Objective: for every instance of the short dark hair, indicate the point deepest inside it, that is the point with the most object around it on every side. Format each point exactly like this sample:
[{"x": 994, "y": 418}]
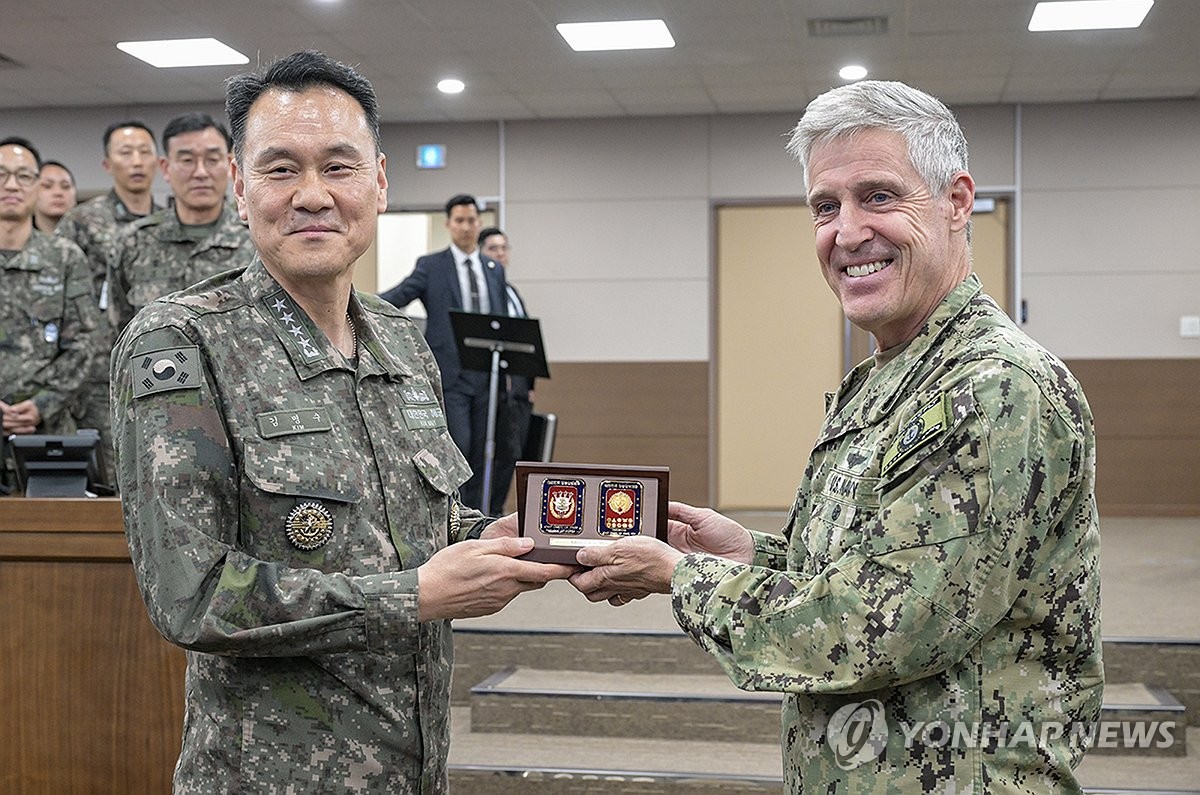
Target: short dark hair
[
  {"x": 488, "y": 231},
  {"x": 193, "y": 122},
  {"x": 297, "y": 72},
  {"x": 119, "y": 125},
  {"x": 61, "y": 165},
  {"x": 16, "y": 140},
  {"x": 461, "y": 200}
]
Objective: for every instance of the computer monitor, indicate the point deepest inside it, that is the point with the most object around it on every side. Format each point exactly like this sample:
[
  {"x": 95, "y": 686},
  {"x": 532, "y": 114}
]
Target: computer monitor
[{"x": 53, "y": 465}]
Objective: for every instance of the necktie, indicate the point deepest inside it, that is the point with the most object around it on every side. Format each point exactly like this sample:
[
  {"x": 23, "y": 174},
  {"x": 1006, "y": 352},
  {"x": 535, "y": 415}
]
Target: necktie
[{"x": 473, "y": 304}]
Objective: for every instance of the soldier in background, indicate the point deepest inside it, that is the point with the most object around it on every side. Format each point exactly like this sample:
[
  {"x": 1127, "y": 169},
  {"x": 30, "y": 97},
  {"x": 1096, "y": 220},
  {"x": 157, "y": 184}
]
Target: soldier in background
[
  {"x": 198, "y": 236},
  {"x": 130, "y": 158},
  {"x": 940, "y": 565},
  {"x": 56, "y": 196},
  {"x": 288, "y": 483},
  {"x": 49, "y": 324},
  {"x": 95, "y": 226}
]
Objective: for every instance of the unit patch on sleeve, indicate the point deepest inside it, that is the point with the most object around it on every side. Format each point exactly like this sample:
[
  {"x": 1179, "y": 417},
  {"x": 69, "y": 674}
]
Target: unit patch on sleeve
[{"x": 162, "y": 371}]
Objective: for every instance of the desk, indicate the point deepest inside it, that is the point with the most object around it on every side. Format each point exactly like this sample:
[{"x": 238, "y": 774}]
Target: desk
[{"x": 91, "y": 696}]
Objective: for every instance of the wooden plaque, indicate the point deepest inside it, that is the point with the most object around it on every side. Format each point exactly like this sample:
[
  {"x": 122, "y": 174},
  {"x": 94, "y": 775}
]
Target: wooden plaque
[{"x": 566, "y": 507}]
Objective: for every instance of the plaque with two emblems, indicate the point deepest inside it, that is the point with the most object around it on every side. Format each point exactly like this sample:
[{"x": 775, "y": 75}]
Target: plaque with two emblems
[{"x": 566, "y": 507}]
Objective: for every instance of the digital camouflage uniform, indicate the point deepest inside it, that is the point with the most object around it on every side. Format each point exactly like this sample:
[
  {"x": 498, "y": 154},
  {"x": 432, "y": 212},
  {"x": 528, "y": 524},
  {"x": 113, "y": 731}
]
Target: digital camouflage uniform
[
  {"x": 156, "y": 256},
  {"x": 939, "y": 565},
  {"x": 96, "y": 226},
  {"x": 239, "y": 428},
  {"x": 49, "y": 329}
]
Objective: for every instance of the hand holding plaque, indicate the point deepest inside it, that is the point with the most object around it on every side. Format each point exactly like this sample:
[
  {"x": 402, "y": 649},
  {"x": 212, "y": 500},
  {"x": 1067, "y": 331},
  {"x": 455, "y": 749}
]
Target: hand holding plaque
[{"x": 568, "y": 507}]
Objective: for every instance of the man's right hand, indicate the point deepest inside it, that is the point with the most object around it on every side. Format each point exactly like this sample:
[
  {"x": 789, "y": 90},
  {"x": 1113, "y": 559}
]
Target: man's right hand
[
  {"x": 477, "y": 578},
  {"x": 691, "y": 529}
]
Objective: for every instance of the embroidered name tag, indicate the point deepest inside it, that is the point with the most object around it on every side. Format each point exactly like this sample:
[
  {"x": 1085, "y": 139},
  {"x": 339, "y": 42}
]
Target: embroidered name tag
[
  {"x": 423, "y": 418},
  {"x": 285, "y": 423},
  {"x": 162, "y": 371},
  {"x": 929, "y": 422}
]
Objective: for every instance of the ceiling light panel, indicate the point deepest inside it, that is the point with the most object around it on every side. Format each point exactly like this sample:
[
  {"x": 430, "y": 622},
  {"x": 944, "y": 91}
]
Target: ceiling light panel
[
  {"x": 173, "y": 53},
  {"x": 1089, "y": 14},
  {"x": 631, "y": 34}
]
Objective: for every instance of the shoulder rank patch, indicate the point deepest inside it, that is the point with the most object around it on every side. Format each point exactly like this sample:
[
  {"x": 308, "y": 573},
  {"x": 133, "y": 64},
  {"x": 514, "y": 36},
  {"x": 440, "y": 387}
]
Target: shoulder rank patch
[
  {"x": 162, "y": 371},
  {"x": 929, "y": 422}
]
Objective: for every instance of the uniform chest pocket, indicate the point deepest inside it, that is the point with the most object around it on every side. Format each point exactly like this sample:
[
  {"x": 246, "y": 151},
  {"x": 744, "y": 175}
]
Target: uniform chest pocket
[
  {"x": 298, "y": 470},
  {"x": 442, "y": 465},
  {"x": 934, "y": 492},
  {"x": 844, "y": 502},
  {"x": 300, "y": 500}
]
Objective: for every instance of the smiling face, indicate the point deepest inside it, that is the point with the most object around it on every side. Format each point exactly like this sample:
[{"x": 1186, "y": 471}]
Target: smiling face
[
  {"x": 889, "y": 248},
  {"x": 19, "y": 193},
  {"x": 310, "y": 183}
]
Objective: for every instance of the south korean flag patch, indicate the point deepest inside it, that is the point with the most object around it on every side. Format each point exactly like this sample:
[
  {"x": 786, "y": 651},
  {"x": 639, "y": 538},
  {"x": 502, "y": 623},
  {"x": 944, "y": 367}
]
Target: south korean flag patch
[{"x": 165, "y": 370}]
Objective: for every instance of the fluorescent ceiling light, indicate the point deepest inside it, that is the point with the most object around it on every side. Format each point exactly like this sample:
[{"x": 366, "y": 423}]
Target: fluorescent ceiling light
[
  {"x": 632, "y": 34},
  {"x": 451, "y": 86},
  {"x": 1089, "y": 14},
  {"x": 853, "y": 72},
  {"x": 169, "y": 53}
]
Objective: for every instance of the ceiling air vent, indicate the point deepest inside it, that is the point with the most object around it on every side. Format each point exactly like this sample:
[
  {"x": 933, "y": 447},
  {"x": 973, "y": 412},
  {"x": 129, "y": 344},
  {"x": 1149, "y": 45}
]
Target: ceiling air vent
[{"x": 847, "y": 26}]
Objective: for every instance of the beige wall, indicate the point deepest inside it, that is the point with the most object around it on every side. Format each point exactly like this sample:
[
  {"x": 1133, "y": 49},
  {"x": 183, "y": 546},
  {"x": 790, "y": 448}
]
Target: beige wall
[
  {"x": 1111, "y": 197},
  {"x": 611, "y": 218},
  {"x": 612, "y": 223}
]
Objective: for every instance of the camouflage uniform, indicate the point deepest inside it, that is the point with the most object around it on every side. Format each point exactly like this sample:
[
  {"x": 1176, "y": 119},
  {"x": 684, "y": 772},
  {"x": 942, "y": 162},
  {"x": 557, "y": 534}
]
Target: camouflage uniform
[
  {"x": 50, "y": 329},
  {"x": 95, "y": 226},
  {"x": 238, "y": 427},
  {"x": 156, "y": 256},
  {"x": 940, "y": 564}
]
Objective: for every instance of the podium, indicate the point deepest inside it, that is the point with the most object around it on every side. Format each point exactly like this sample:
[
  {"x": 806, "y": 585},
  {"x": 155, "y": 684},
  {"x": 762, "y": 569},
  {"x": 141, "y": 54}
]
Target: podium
[
  {"x": 92, "y": 694},
  {"x": 491, "y": 343}
]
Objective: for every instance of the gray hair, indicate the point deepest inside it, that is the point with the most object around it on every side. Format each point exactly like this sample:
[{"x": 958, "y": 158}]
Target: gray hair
[{"x": 936, "y": 144}]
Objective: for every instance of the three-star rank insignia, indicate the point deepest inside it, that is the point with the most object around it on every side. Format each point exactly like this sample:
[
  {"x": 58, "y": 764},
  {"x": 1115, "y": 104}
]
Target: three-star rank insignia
[{"x": 309, "y": 526}]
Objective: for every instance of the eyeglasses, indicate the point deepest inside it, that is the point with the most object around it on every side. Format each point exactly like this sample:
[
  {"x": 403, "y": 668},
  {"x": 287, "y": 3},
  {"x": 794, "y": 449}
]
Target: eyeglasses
[{"x": 25, "y": 177}]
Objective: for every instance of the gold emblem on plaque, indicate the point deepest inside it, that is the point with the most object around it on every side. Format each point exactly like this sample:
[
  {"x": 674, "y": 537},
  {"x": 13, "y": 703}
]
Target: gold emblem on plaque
[
  {"x": 620, "y": 502},
  {"x": 309, "y": 526}
]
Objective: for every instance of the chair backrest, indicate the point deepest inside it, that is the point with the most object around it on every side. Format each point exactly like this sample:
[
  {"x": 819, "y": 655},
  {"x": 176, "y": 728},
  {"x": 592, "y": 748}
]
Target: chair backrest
[{"x": 539, "y": 443}]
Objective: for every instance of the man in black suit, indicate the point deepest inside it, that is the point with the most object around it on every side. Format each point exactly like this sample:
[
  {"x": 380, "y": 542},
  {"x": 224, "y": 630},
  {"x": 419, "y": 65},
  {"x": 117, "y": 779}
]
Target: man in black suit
[
  {"x": 458, "y": 277},
  {"x": 518, "y": 405}
]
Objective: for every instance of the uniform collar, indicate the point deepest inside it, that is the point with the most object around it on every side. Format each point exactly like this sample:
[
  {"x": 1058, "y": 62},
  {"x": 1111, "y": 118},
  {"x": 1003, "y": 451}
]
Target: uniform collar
[
  {"x": 227, "y": 232},
  {"x": 123, "y": 213},
  {"x": 309, "y": 350},
  {"x": 29, "y": 257},
  {"x": 868, "y": 396}
]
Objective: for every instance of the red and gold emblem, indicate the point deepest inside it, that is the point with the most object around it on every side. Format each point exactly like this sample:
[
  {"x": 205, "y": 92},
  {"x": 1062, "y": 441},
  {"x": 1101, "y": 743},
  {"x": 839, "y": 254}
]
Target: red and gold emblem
[{"x": 561, "y": 501}]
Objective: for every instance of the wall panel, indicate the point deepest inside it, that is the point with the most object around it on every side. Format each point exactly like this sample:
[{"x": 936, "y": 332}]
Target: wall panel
[{"x": 1147, "y": 434}]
